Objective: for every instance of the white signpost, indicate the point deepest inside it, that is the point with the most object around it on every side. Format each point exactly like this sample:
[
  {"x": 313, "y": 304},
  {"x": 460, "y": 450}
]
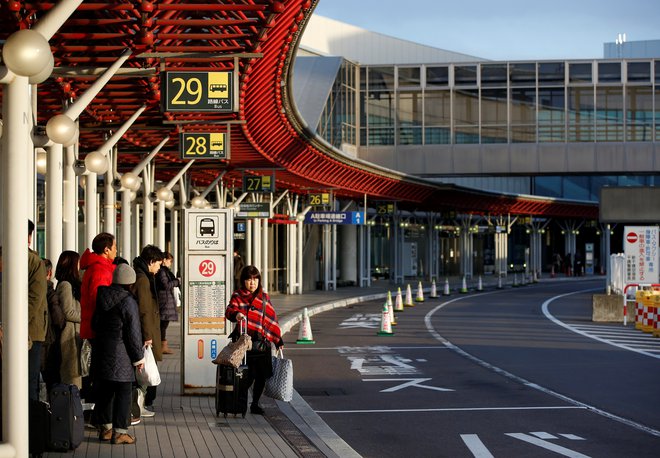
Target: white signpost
[
  {"x": 641, "y": 250},
  {"x": 208, "y": 258}
]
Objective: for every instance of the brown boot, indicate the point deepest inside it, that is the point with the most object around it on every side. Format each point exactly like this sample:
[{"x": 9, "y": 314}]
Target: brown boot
[
  {"x": 123, "y": 438},
  {"x": 165, "y": 349}
]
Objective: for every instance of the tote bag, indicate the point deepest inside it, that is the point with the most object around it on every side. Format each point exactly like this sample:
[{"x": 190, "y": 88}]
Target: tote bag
[
  {"x": 280, "y": 385},
  {"x": 149, "y": 375}
]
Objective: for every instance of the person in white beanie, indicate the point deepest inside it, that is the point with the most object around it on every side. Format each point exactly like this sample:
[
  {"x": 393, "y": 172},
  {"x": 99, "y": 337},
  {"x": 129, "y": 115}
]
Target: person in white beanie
[{"x": 118, "y": 351}]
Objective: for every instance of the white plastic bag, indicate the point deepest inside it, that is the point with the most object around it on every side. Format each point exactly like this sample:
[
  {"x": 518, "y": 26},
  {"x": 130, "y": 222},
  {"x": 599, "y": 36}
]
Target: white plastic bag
[
  {"x": 85, "y": 358},
  {"x": 280, "y": 385},
  {"x": 149, "y": 375}
]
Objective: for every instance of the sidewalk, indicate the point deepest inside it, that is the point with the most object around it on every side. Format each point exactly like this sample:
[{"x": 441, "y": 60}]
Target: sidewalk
[{"x": 187, "y": 425}]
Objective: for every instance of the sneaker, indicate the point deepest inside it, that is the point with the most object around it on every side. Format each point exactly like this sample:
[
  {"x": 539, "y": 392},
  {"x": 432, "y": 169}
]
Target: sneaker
[
  {"x": 123, "y": 438},
  {"x": 145, "y": 412},
  {"x": 135, "y": 420},
  {"x": 105, "y": 436},
  {"x": 255, "y": 409}
]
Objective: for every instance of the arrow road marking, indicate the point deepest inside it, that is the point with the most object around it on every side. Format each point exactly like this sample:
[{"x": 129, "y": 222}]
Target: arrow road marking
[{"x": 416, "y": 382}]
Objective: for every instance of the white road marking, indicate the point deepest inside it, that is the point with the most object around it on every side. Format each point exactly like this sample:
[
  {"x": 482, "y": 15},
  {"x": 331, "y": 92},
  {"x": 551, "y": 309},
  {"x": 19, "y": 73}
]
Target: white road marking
[
  {"x": 450, "y": 409},
  {"x": 543, "y": 435},
  {"x": 547, "y": 445},
  {"x": 509, "y": 375},
  {"x": 410, "y": 382},
  {"x": 475, "y": 445},
  {"x": 590, "y": 335},
  {"x": 572, "y": 437}
]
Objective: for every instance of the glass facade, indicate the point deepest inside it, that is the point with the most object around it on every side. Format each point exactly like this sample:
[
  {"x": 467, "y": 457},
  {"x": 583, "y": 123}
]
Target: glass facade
[
  {"x": 510, "y": 102},
  {"x": 495, "y": 102}
]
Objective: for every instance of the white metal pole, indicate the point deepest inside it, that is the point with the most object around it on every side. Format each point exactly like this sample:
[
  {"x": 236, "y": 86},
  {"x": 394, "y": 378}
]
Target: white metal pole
[
  {"x": 91, "y": 209},
  {"x": 136, "y": 242},
  {"x": 147, "y": 209},
  {"x": 15, "y": 169},
  {"x": 54, "y": 201},
  {"x": 265, "y": 273},
  {"x": 174, "y": 235},
  {"x": 109, "y": 208},
  {"x": 70, "y": 202},
  {"x": 299, "y": 262},
  {"x": 125, "y": 245},
  {"x": 160, "y": 225}
]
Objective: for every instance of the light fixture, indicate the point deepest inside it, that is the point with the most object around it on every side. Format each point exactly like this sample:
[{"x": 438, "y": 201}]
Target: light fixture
[
  {"x": 96, "y": 162},
  {"x": 131, "y": 181},
  {"x": 61, "y": 129},
  {"x": 26, "y": 52},
  {"x": 164, "y": 194},
  {"x": 42, "y": 161}
]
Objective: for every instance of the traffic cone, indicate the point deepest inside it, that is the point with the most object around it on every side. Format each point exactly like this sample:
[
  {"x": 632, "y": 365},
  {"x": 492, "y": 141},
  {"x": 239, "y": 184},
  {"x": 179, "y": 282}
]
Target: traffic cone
[
  {"x": 464, "y": 286},
  {"x": 389, "y": 299},
  {"x": 408, "y": 302},
  {"x": 420, "y": 293},
  {"x": 499, "y": 281},
  {"x": 434, "y": 291},
  {"x": 390, "y": 307},
  {"x": 305, "y": 331},
  {"x": 385, "y": 322},
  {"x": 552, "y": 271},
  {"x": 398, "y": 303},
  {"x": 480, "y": 285},
  {"x": 446, "y": 290}
]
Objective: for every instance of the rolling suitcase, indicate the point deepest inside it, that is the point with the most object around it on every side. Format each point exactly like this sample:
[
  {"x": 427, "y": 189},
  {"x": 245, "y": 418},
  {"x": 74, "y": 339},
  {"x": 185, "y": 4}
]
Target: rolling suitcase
[
  {"x": 230, "y": 393},
  {"x": 39, "y": 427},
  {"x": 67, "y": 424}
]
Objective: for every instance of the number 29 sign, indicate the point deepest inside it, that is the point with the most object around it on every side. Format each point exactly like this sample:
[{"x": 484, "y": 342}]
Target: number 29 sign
[{"x": 198, "y": 91}]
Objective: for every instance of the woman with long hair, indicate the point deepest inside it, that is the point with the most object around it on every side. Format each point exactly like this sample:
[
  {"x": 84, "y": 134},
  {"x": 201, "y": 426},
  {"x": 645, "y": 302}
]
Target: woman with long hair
[
  {"x": 251, "y": 303},
  {"x": 67, "y": 274}
]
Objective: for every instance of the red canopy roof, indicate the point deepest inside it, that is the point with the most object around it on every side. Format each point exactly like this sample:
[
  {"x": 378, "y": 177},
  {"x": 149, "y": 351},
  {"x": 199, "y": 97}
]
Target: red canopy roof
[{"x": 257, "y": 39}]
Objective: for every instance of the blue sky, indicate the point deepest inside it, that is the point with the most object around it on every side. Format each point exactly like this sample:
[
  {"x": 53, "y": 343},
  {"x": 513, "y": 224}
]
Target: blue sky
[{"x": 505, "y": 29}]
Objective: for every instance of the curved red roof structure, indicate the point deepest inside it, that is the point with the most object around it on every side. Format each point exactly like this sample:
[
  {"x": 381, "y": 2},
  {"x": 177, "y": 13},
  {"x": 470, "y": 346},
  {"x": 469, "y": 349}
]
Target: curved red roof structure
[{"x": 257, "y": 39}]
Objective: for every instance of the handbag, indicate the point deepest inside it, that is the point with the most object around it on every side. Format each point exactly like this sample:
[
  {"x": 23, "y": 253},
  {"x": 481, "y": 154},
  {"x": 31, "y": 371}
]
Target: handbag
[
  {"x": 234, "y": 352},
  {"x": 280, "y": 385},
  {"x": 85, "y": 358},
  {"x": 149, "y": 375}
]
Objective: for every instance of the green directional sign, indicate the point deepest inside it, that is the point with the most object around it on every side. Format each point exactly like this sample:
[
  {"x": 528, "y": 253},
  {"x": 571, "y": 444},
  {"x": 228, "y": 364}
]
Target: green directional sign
[
  {"x": 203, "y": 145},
  {"x": 198, "y": 91}
]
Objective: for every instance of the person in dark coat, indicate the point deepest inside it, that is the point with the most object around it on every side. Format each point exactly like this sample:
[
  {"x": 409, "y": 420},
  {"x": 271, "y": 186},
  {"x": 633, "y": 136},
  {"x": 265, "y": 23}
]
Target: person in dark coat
[
  {"x": 50, "y": 370},
  {"x": 118, "y": 352},
  {"x": 146, "y": 265},
  {"x": 166, "y": 281}
]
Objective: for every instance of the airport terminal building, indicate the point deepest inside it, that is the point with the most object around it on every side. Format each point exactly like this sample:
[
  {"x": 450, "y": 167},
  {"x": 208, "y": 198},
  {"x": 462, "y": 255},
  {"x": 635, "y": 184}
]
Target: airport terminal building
[{"x": 557, "y": 128}]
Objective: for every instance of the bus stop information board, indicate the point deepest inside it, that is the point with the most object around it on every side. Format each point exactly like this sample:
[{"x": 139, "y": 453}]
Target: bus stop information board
[
  {"x": 198, "y": 91},
  {"x": 334, "y": 218},
  {"x": 641, "y": 250},
  {"x": 208, "y": 245}
]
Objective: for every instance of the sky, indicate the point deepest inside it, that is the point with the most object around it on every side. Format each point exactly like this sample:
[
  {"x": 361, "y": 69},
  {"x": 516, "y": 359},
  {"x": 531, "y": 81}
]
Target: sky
[{"x": 505, "y": 29}]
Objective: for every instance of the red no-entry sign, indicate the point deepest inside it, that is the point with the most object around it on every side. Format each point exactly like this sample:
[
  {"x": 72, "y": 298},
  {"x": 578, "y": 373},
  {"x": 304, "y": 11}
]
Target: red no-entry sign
[{"x": 631, "y": 237}]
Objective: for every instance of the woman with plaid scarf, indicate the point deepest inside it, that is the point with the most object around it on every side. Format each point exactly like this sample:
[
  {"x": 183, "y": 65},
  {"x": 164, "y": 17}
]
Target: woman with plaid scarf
[{"x": 250, "y": 302}]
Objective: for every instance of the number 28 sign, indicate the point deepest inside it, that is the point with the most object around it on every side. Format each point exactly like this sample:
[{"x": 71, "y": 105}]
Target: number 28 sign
[{"x": 198, "y": 91}]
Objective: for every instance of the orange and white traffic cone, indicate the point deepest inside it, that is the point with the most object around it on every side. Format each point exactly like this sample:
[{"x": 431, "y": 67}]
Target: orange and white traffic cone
[
  {"x": 434, "y": 291},
  {"x": 385, "y": 322},
  {"x": 389, "y": 299},
  {"x": 398, "y": 303},
  {"x": 408, "y": 302},
  {"x": 420, "y": 293},
  {"x": 305, "y": 331}
]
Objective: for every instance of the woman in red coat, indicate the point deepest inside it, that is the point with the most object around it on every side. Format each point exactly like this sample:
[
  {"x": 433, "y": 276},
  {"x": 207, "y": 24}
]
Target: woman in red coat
[{"x": 250, "y": 302}]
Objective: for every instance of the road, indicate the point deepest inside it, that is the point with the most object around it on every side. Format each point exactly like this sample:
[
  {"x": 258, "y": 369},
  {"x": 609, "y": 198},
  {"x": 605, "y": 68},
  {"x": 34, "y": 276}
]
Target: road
[{"x": 515, "y": 372}]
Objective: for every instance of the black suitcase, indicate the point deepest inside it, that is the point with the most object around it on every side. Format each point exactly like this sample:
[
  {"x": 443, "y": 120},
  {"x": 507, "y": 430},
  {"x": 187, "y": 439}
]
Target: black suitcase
[
  {"x": 230, "y": 394},
  {"x": 67, "y": 423},
  {"x": 39, "y": 427}
]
